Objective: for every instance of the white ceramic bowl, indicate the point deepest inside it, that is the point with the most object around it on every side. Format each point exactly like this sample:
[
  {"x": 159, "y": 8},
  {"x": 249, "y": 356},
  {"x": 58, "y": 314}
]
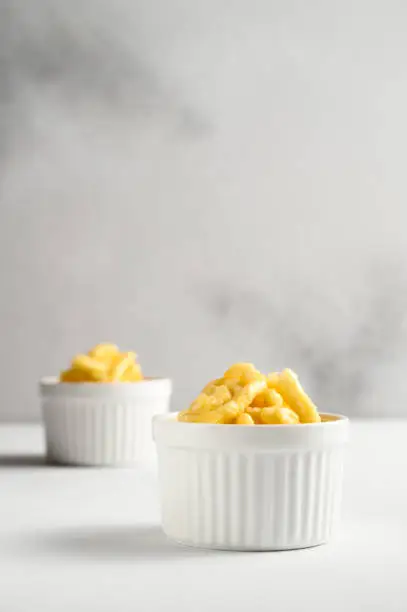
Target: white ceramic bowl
[
  {"x": 102, "y": 423},
  {"x": 260, "y": 487}
]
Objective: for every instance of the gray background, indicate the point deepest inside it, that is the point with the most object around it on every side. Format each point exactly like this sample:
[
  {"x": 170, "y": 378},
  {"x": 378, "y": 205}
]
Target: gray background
[{"x": 205, "y": 182}]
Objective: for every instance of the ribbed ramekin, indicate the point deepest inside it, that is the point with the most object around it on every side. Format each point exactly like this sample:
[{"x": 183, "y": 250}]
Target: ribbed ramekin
[
  {"x": 102, "y": 423},
  {"x": 261, "y": 487}
]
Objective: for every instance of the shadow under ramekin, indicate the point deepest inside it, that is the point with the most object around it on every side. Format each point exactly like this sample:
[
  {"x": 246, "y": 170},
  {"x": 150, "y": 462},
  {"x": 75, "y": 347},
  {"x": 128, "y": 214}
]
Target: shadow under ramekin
[{"x": 109, "y": 543}]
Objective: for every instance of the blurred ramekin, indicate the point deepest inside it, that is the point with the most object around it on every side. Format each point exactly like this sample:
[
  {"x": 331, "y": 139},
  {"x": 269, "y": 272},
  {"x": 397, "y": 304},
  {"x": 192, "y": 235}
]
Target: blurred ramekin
[
  {"x": 259, "y": 487},
  {"x": 102, "y": 423}
]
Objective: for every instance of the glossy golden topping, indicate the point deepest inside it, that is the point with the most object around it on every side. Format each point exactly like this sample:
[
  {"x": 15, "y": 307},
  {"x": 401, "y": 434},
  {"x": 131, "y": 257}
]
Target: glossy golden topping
[
  {"x": 245, "y": 396},
  {"x": 103, "y": 363}
]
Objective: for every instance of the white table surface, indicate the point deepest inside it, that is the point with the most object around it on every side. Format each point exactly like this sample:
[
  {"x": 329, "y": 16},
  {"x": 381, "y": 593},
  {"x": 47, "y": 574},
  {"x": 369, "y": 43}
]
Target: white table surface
[{"x": 74, "y": 539}]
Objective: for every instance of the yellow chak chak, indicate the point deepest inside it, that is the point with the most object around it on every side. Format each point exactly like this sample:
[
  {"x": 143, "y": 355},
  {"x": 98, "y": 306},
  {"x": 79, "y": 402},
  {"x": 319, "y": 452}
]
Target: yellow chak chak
[
  {"x": 103, "y": 363},
  {"x": 244, "y": 396}
]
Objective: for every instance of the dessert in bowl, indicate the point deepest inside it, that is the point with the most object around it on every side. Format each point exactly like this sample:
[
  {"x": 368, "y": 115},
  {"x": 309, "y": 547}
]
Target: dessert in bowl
[
  {"x": 251, "y": 465},
  {"x": 99, "y": 411}
]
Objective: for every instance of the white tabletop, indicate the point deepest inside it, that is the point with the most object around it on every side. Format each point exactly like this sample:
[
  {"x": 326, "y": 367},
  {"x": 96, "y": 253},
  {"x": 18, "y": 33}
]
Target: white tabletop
[{"x": 89, "y": 539}]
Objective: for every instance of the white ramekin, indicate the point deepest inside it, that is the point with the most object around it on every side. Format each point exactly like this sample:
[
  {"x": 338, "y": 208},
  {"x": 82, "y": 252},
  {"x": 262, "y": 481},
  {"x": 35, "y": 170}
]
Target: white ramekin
[
  {"x": 102, "y": 423},
  {"x": 268, "y": 487}
]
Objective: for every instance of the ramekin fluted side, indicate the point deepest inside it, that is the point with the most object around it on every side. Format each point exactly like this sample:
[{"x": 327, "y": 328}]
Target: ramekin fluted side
[
  {"x": 250, "y": 501},
  {"x": 113, "y": 430}
]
